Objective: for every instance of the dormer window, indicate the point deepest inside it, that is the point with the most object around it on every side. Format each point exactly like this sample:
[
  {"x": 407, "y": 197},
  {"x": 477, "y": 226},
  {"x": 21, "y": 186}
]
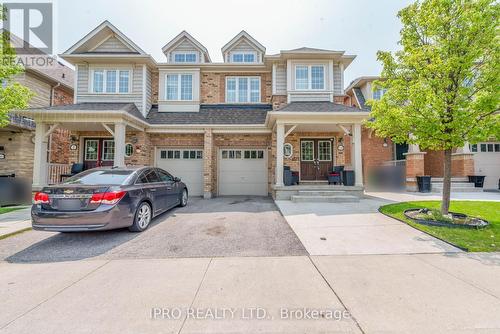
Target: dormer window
[
  {"x": 309, "y": 77},
  {"x": 243, "y": 57},
  {"x": 185, "y": 57},
  {"x": 111, "y": 81}
]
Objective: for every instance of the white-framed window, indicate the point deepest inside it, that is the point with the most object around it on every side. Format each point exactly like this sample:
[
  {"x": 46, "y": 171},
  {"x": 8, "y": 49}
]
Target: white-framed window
[
  {"x": 108, "y": 150},
  {"x": 309, "y": 77},
  {"x": 185, "y": 57},
  {"x": 242, "y": 154},
  {"x": 243, "y": 89},
  {"x": 111, "y": 81},
  {"x": 378, "y": 93},
  {"x": 307, "y": 150},
  {"x": 91, "y": 149},
  {"x": 324, "y": 150},
  {"x": 244, "y": 57},
  {"x": 179, "y": 87},
  {"x": 486, "y": 147},
  {"x": 181, "y": 154}
]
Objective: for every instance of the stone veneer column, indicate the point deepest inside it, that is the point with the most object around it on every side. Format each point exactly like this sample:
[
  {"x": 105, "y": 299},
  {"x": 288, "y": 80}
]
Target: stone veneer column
[
  {"x": 462, "y": 162},
  {"x": 208, "y": 164}
]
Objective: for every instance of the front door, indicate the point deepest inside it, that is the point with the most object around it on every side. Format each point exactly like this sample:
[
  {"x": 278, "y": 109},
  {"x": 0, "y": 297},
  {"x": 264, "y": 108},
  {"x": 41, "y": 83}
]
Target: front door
[
  {"x": 98, "y": 152},
  {"x": 316, "y": 159}
]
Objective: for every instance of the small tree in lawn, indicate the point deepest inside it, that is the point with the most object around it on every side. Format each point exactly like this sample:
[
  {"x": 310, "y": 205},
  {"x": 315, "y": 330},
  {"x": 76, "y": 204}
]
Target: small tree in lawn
[
  {"x": 443, "y": 86},
  {"x": 12, "y": 94}
]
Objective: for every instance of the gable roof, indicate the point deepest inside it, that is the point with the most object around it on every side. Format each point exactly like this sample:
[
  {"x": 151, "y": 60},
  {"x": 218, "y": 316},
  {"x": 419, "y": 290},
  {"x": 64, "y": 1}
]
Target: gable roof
[
  {"x": 322, "y": 106},
  {"x": 243, "y": 35},
  {"x": 213, "y": 114},
  {"x": 185, "y": 35},
  {"x": 101, "y": 34},
  {"x": 358, "y": 82}
]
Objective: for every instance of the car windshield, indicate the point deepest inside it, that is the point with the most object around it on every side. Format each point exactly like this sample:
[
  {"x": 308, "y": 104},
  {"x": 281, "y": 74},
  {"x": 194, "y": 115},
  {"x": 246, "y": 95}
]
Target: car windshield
[{"x": 112, "y": 177}]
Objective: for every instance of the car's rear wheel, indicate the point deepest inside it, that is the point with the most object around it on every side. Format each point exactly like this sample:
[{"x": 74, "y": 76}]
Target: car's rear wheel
[
  {"x": 142, "y": 218},
  {"x": 183, "y": 201}
]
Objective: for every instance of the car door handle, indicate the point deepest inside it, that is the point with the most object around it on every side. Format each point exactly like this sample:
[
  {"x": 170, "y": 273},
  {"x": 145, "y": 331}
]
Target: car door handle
[
  {"x": 152, "y": 189},
  {"x": 169, "y": 188}
]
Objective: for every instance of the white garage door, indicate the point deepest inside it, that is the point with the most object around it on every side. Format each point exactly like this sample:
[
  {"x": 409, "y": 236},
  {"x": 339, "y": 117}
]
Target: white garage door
[
  {"x": 487, "y": 163},
  {"x": 242, "y": 172},
  {"x": 186, "y": 163}
]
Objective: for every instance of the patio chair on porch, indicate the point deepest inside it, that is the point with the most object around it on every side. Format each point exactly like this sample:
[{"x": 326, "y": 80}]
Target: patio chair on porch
[
  {"x": 335, "y": 176},
  {"x": 75, "y": 169}
]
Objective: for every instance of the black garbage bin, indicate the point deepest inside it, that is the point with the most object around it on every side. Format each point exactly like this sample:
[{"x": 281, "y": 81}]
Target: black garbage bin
[
  {"x": 424, "y": 183},
  {"x": 478, "y": 180},
  {"x": 348, "y": 177}
]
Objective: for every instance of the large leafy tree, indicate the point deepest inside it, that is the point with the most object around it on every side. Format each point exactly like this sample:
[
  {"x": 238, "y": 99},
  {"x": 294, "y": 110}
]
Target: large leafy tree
[
  {"x": 443, "y": 85},
  {"x": 12, "y": 94}
]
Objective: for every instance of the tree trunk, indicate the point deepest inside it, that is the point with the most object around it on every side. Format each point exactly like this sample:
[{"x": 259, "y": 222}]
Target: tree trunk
[{"x": 445, "y": 204}]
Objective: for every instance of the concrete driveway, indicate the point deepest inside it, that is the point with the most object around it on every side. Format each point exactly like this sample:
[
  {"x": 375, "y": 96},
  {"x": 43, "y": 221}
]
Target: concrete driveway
[
  {"x": 356, "y": 229},
  {"x": 225, "y": 226}
]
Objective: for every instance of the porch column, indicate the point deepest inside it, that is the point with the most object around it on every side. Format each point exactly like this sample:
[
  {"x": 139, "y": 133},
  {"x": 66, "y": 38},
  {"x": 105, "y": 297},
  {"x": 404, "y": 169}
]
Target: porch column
[
  {"x": 40, "y": 165},
  {"x": 415, "y": 165},
  {"x": 358, "y": 163},
  {"x": 280, "y": 142},
  {"x": 119, "y": 134},
  {"x": 462, "y": 162}
]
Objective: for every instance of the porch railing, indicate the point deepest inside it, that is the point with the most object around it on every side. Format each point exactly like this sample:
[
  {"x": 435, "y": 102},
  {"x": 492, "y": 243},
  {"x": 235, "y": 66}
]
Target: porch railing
[
  {"x": 55, "y": 171},
  {"x": 401, "y": 163},
  {"x": 22, "y": 121}
]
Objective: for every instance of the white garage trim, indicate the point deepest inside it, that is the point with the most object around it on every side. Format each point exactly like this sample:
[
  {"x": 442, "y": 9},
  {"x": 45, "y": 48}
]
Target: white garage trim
[
  {"x": 242, "y": 171},
  {"x": 183, "y": 162},
  {"x": 487, "y": 162}
]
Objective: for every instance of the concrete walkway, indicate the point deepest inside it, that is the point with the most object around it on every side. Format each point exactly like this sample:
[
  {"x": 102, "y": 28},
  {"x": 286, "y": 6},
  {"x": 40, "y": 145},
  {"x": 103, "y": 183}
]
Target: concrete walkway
[
  {"x": 433, "y": 293},
  {"x": 15, "y": 221},
  {"x": 354, "y": 229}
]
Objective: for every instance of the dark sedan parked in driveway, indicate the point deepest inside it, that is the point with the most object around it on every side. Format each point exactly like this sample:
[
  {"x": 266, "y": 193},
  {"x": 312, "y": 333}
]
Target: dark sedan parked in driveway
[{"x": 107, "y": 198}]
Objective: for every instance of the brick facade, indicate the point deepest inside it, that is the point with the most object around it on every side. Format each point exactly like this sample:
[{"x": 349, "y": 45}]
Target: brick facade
[
  {"x": 213, "y": 86},
  {"x": 62, "y": 97},
  {"x": 414, "y": 168},
  {"x": 462, "y": 164},
  {"x": 374, "y": 151}
]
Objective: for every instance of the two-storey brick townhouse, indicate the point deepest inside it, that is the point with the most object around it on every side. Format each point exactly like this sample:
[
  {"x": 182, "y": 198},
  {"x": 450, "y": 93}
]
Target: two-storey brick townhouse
[{"x": 227, "y": 128}]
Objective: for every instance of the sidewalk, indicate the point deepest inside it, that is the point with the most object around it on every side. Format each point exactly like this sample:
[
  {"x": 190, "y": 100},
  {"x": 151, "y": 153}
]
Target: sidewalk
[{"x": 15, "y": 221}]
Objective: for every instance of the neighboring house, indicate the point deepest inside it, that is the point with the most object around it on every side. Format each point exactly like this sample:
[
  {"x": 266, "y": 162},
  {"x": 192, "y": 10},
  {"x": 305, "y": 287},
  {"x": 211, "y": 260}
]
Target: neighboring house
[
  {"x": 478, "y": 159},
  {"x": 225, "y": 128},
  {"x": 51, "y": 87}
]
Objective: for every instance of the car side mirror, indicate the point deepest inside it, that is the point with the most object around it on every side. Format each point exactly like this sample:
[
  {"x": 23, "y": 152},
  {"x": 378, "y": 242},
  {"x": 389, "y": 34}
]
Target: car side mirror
[{"x": 177, "y": 179}]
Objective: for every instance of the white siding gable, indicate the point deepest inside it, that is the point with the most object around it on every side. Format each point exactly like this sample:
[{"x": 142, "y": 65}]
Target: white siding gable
[
  {"x": 185, "y": 46},
  {"x": 112, "y": 44}
]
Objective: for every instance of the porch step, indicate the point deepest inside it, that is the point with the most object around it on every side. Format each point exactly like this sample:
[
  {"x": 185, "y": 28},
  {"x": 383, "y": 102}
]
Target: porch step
[
  {"x": 453, "y": 179},
  {"x": 455, "y": 184},
  {"x": 324, "y": 199},
  {"x": 439, "y": 189},
  {"x": 321, "y": 192}
]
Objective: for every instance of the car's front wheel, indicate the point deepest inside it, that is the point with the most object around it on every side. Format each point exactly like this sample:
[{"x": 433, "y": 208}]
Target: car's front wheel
[
  {"x": 184, "y": 198},
  {"x": 142, "y": 218}
]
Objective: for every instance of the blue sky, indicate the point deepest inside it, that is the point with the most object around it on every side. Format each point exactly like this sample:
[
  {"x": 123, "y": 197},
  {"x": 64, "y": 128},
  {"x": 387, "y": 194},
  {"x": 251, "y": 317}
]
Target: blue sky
[{"x": 360, "y": 27}]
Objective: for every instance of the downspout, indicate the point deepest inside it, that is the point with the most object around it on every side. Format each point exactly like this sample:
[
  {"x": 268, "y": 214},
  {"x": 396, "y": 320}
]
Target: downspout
[{"x": 50, "y": 136}]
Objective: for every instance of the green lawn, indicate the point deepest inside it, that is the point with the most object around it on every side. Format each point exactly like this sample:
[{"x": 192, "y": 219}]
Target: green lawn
[
  {"x": 484, "y": 240},
  {"x": 11, "y": 208}
]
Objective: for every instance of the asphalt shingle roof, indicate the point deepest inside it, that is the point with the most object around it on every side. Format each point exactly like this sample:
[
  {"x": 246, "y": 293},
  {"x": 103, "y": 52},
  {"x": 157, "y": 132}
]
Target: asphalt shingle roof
[
  {"x": 99, "y": 106},
  {"x": 213, "y": 114},
  {"x": 318, "y": 107}
]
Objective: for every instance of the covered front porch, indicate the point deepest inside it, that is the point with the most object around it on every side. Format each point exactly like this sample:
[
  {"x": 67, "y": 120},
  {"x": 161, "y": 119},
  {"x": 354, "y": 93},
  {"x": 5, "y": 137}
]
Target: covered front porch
[
  {"x": 321, "y": 151},
  {"x": 97, "y": 138}
]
